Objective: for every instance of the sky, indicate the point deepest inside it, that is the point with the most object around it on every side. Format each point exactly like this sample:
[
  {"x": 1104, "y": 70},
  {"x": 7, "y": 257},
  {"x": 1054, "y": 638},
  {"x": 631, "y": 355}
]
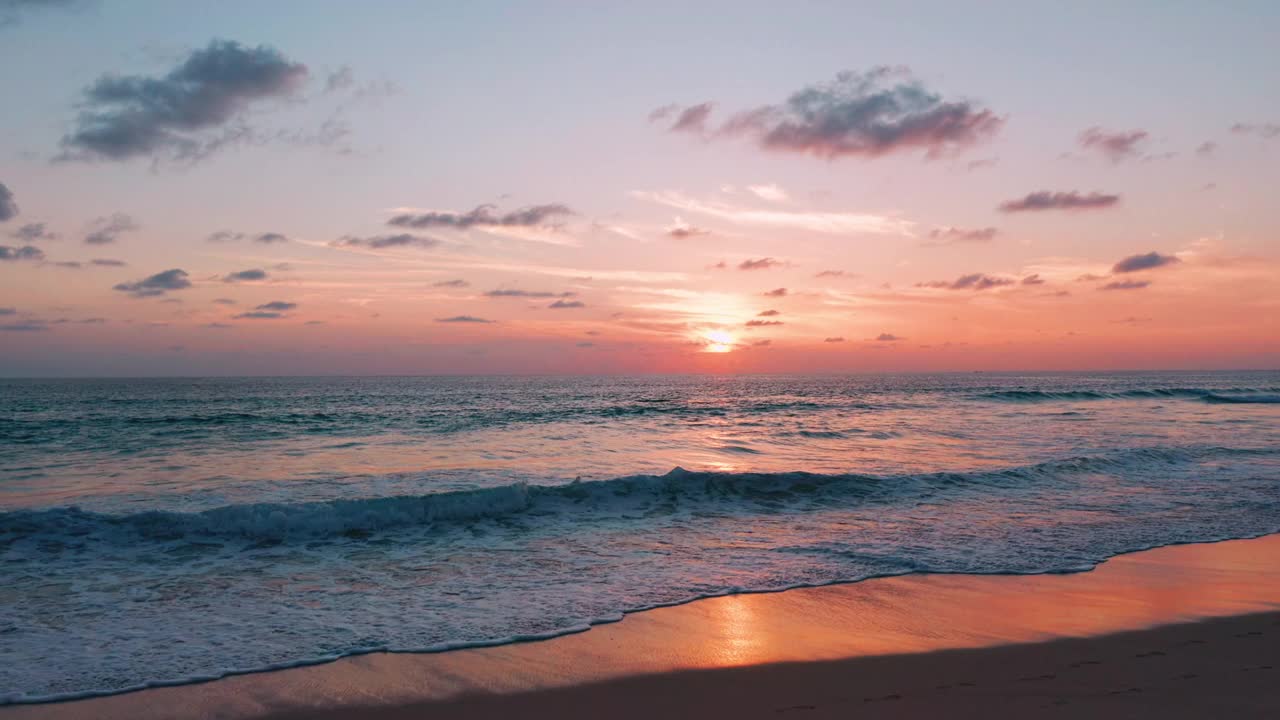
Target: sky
[{"x": 298, "y": 188}]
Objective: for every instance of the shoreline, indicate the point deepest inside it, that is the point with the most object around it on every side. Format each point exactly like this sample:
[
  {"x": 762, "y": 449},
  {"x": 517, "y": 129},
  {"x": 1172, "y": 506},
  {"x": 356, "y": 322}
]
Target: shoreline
[{"x": 900, "y": 616}]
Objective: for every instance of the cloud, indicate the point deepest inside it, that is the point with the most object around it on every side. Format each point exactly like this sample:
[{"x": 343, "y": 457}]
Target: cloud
[
  {"x": 339, "y": 79},
  {"x": 973, "y": 281},
  {"x": 258, "y": 315},
  {"x": 268, "y": 238},
  {"x": 105, "y": 230},
  {"x": 11, "y": 11},
  {"x": 1125, "y": 285},
  {"x": 953, "y": 235},
  {"x": 30, "y": 326},
  {"x": 216, "y": 325},
  {"x": 823, "y": 222},
  {"x": 277, "y": 306},
  {"x": 682, "y": 230},
  {"x": 888, "y": 337},
  {"x": 157, "y": 284},
  {"x": 566, "y": 304},
  {"x": 126, "y": 116},
  {"x": 223, "y": 301},
  {"x": 833, "y": 340},
  {"x": 1267, "y": 130},
  {"x": 1148, "y": 261},
  {"x": 451, "y": 284},
  {"x": 763, "y": 323},
  {"x": 107, "y": 262},
  {"x": 483, "y": 216},
  {"x": 1115, "y": 146},
  {"x": 830, "y": 273},
  {"x": 245, "y": 275},
  {"x": 882, "y": 111},
  {"x": 26, "y": 252},
  {"x": 758, "y": 264},
  {"x": 527, "y": 294},
  {"x": 693, "y": 119},
  {"x": 8, "y": 207},
  {"x": 1206, "y": 149},
  {"x": 1033, "y": 280},
  {"x": 224, "y": 236},
  {"x": 762, "y": 343},
  {"x": 464, "y": 319},
  {"x": 8, "y": 311},
  {"x": 32, "y": 232},
  {"x": 768, "y": 313},
  {"x": 770, "y": 192},
  {"x": 379, "y": 242},
  {"x": 777, "y": 292},
  {"x": 1046, "y": 200}
]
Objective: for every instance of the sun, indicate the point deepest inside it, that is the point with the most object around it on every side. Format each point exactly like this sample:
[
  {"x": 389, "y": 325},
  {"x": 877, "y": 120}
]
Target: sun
[{"x": 719, "y": 341}]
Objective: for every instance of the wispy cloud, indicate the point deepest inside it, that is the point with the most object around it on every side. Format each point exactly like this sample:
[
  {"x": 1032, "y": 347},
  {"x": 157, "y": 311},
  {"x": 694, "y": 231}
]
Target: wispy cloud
[
  {"x": 1114, "y": 146},
  {"x": 954, "y": 235},
  {"x": 156, "y": 285},
  {"x": 1264, "y": 130},
  {"x": 25, "y": 252},
  {"x": 245, "y": 276},
  {"x": 511, "y": 293},
  {"x": 1125, "y": 285},
  {"x": 106, "y": 230},
  {"x": 759, "y": 264},
  {"x": 682, "y": 230},
  {"x": 770, "y": 192},
  {"x": 567, "y": 305},
  {"x": 483, "y": 216},
  {"x": 464, "y": 319},
  {"x": 381, "y": 242},
  {"x": 1072, "y": 200},
  {"x": 1146, "y": 261},
  {"x": 973, "y": 281},
  {"x": 821, "y": 222},
  {"x": 33, "y": 232}
]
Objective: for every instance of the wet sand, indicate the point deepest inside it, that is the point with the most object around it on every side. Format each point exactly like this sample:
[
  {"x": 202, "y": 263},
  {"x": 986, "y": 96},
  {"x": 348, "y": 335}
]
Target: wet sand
[{"x": 1132, "y": 638}]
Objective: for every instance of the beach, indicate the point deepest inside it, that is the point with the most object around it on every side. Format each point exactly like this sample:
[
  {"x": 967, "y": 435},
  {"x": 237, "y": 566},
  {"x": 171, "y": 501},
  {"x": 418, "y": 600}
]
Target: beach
[{"x": 1179, "y": 631}]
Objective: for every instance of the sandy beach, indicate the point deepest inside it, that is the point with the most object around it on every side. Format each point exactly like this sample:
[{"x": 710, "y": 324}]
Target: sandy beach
[{"x": 1181, "y": 631}]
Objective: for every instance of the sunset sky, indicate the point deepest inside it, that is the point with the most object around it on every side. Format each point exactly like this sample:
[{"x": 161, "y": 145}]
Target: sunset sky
[{"x": 403, "y": 187}]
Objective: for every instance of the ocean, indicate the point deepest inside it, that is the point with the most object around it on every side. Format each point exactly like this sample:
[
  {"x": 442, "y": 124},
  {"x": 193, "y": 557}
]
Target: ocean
[{"x": 164, "y": 531}]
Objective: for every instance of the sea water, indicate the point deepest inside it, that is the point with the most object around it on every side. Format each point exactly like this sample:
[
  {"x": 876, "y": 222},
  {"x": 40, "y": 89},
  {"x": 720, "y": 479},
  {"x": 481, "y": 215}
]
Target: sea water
[{"x": 174, "y": 530}]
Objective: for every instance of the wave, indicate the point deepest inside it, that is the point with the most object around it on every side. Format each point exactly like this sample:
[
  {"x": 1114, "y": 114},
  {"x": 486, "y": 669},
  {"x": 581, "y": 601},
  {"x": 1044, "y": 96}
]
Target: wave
[
  {"x": 358, "y": 518},
  {"x": 1219, "y": 395}
]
